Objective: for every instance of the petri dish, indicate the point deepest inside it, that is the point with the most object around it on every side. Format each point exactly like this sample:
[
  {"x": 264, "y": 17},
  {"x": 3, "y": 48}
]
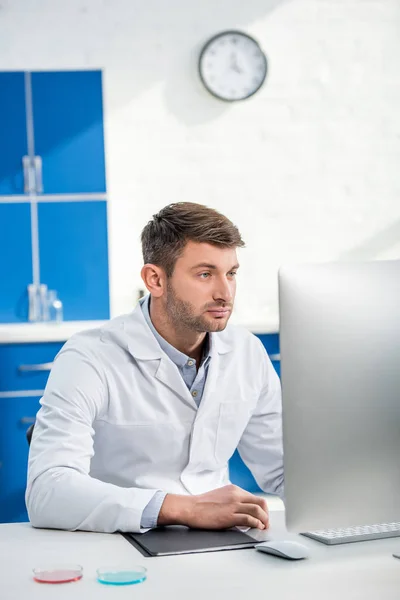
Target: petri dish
[
  {"x": 58, "y": 573},
  {"x": 122, "y": 575}
]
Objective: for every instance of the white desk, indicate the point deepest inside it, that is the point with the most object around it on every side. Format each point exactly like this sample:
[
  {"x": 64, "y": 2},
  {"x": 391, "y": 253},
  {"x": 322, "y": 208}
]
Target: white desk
[{"x": 358, "y": 571}]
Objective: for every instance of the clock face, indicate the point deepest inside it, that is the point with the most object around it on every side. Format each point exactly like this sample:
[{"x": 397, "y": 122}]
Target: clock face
[{"x": 232, "y": 66}]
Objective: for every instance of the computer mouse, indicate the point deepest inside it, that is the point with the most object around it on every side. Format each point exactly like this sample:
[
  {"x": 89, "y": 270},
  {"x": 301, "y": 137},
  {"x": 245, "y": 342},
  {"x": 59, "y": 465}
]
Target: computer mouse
[{"x": 284, "y": 549}]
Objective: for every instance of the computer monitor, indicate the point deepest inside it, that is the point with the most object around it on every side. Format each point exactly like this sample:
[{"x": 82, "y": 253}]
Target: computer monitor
[{"x": 340, "y": 370}]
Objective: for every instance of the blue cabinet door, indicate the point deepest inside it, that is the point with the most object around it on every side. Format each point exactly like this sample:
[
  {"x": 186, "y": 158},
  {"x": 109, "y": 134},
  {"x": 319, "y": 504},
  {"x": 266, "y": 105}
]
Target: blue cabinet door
[
  {"x": 239, "y": 474},
  {"x": 68, "y": 126},
  {"x": 15, "y": 261},
  {"x": 74, "y": 256},
  {"x": 17, "y": 360},
  {"x": 16, "y": 416},
  {"x": 270, "y": 342},
  {"x": 13, "y": 138}
]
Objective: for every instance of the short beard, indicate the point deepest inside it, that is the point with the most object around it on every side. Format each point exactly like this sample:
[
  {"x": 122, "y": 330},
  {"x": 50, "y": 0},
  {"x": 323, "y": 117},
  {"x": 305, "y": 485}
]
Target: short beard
[{"x": 181, "y": 315}]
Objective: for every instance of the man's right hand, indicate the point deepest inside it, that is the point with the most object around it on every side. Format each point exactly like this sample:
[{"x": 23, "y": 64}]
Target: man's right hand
[{"x": 225, "y": 507}]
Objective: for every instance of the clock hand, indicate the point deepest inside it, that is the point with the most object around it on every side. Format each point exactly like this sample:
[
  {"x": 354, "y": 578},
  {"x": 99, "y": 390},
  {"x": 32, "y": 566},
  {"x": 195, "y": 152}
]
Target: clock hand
[{"x": 234, "y": 65}]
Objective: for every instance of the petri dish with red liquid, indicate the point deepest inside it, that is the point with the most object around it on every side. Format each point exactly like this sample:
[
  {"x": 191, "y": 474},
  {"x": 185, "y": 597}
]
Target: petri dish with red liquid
[{"x": 58, "y": 573}]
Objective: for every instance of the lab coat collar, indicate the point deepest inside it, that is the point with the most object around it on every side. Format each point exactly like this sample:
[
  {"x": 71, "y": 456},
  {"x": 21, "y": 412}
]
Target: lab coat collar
[{"x": 143, "y": 345}]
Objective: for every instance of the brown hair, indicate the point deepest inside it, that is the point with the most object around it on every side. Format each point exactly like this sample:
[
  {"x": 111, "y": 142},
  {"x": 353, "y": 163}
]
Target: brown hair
[{"x": 165, "y": 236}]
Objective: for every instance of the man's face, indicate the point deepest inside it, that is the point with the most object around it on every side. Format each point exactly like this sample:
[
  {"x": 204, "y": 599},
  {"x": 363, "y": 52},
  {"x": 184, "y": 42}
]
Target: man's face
[{"x": 202, "y": 288}]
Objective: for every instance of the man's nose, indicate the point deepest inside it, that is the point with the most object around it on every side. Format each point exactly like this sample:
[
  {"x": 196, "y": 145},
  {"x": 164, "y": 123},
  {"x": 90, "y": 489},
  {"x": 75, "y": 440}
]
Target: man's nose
[{"x": 224, "y": 290}]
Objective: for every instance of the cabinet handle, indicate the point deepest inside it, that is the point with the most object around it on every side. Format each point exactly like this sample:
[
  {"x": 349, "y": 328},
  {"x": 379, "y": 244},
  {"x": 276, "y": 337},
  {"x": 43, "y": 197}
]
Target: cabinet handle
[
  {"x": 275, "y": 357},
  {"x": 42, "y": 367},
  {"x": 29, "y": 183},
  {"x": 27, "y": 420},
  {"x": 38, "y": 174}
]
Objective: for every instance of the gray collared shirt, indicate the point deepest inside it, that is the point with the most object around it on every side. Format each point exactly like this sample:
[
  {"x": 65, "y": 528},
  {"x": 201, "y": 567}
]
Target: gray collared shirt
[{"x": 195, "y": 381}]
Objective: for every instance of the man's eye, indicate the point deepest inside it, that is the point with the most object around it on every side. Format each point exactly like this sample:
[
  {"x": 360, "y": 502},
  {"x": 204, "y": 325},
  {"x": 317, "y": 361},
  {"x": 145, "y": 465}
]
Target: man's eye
[
  {"x": 204, "y": 275},
  {"x": 233, "y": 273}
]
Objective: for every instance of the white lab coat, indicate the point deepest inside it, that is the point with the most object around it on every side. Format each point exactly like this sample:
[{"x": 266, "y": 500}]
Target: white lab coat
[{"x": 118, "y": 423}]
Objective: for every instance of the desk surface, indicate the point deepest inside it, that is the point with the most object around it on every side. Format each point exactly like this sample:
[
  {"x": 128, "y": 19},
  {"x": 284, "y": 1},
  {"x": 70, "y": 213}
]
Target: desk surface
[{"x": 357, "y": 571}]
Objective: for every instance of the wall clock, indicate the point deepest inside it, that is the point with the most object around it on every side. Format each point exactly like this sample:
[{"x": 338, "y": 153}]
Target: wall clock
[{"x": 232, "y": 66}]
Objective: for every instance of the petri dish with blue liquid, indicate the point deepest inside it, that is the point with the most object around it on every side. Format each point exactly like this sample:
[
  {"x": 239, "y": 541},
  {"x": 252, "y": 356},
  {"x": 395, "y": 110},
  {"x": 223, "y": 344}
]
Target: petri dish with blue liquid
[{"x": 122, "y": 575}]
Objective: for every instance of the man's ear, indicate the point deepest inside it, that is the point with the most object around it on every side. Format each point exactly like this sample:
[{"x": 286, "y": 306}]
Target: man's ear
[{"x": 154, "y": 279}]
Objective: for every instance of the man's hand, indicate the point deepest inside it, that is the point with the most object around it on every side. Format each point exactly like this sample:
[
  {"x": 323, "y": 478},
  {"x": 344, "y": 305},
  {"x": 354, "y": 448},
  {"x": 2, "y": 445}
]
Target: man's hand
[{"x": 222, "y": 508}]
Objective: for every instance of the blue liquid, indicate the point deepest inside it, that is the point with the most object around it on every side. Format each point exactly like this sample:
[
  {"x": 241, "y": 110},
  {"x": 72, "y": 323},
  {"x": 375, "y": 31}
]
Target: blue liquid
[{"x": 122, "y": 578}]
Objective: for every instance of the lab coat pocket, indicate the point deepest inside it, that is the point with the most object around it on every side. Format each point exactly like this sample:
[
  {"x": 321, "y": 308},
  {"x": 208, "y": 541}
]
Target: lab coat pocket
[{"x": 232, "y": 421}]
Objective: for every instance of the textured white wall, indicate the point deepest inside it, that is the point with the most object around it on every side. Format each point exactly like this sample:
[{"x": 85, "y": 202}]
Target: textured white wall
[{"x": 309, "y": 168}]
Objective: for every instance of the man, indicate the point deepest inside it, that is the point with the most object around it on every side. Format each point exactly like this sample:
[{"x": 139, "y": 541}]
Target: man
[{"x": 140, "y": 417}]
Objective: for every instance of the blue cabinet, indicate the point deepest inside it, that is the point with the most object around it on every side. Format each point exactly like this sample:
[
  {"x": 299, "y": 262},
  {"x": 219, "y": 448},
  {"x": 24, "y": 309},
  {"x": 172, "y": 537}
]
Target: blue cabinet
[
  {"x": 68, "y": 131},
  {"x": 270, "y": 342},
  {"x": 16, "y": 416},
  {"x": 73, "y": 256},
  {"x": 239, "y": 474},
  {"x": 57, "y": 119},
  {"x": 15, "y": 260},
  {"x": 21, "y": 388},
  {"x": 66, "y": 125},
  {"x": 13, "y": 136},
  {"x": 16, "y": 362}
]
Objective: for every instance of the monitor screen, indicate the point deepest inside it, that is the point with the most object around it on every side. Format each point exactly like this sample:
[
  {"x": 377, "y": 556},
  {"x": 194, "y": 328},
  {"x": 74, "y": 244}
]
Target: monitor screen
[{"x": 340, "y": 371}]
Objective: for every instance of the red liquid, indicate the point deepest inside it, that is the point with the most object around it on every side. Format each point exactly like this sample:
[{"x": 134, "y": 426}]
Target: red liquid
[{"x": 58, "y": 576}]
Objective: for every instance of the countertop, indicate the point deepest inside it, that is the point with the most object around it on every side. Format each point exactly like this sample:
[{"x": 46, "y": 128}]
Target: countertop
[
  {"x": 15, "y": 333},
  {"x": 358, "y": 571}
]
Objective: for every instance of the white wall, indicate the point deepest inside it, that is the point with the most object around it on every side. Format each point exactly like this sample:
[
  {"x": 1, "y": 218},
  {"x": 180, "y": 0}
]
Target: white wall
[{"x": 309, "y": 168}]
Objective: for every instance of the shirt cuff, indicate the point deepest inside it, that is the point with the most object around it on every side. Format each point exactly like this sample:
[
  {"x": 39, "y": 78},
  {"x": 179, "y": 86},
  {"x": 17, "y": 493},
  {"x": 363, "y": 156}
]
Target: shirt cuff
[{"x": 152, "y": 510}]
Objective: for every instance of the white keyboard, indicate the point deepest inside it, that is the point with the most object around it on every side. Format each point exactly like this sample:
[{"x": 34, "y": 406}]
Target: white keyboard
[{"x": 355, "y": 534}]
